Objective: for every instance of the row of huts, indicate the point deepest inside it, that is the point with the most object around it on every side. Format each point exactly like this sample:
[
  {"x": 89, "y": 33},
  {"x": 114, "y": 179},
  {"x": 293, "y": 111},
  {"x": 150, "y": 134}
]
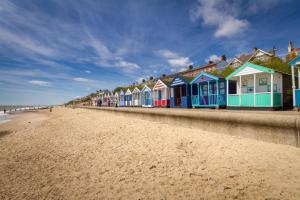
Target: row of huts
[{"x": 249, "y": 86}]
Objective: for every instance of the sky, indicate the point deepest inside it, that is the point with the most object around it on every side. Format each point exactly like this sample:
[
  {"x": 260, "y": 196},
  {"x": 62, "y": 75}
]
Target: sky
[{"x": 52, "y": 51}]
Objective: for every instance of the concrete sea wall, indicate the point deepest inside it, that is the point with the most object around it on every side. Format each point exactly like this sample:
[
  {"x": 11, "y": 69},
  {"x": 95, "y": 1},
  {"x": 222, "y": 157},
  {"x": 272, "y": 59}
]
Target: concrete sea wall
[{"x": 275, "y": 127}]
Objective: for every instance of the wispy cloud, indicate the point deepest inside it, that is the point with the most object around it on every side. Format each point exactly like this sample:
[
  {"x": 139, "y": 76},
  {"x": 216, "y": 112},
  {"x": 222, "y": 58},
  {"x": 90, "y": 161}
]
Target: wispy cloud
[
  {"x": 174, "y": 60},
  {"x": 213, "y": 58},
  {"x": 219, "y": 13},
  {"x": 87, "y": 71},
  {"x": 80, "y": 79},
  {"x": 40, "y": 83}
]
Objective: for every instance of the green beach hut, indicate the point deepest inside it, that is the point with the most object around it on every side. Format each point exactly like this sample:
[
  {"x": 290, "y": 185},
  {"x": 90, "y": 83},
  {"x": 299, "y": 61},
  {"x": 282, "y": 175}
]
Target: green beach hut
[{"x": 255, "y": 86}]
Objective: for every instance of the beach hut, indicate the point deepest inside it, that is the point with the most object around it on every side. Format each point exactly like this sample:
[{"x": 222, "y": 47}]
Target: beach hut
[
  {"x": 105, "y": 99},
  {"x": 146, "y": 96},
  {"x": 180, "y": 92},
  {"x": 121, "y": 98},
  {"x": 116, "y": 100},
  {"x": 295, "y": 65},
  {"x": 161, "y": 93},
  {"x": 128, "y": 97},
  {"x": 112, "y": 99},
  {"x": 136, "y": 97},
  {"x": 208, "y": 90},
  {"x": 256, "y": 86}
]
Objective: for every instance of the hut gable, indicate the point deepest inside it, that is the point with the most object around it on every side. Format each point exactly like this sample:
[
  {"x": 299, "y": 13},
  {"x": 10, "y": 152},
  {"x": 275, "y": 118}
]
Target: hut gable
[
  {"x": 128, "y": 92},
  {"x": 159, "y": 84},
  {"x": 249, "y": 68},
  {"x": 203, "y": 76},
  {"x": 136, "y": 90},
  {"x": 146, "y": 89},
  {"x": 121, "y": 93}
]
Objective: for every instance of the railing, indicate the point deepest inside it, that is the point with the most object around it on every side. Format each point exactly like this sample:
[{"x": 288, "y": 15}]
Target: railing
[
  {"x": 254, "y": 100},
  {"x": 195, "y": 100},
  {"x": 297, "y": 97}
]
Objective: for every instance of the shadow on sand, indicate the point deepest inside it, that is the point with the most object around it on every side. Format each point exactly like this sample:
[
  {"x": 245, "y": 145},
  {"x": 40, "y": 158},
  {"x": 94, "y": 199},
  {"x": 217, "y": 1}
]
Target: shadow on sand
[{"x": 4, "y": 133}]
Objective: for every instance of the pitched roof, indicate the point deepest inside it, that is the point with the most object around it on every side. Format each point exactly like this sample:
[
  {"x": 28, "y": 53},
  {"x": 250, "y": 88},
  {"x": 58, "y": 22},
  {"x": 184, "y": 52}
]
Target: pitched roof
[
  {"x": 244, "y": 57},
  {"x": 212, "y": 76},
  {"x": 252, "y": 65},
  {"x": 295, "y": 61}
]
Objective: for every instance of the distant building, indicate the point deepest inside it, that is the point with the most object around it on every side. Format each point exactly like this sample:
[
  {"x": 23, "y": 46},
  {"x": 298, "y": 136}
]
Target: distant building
[
  {"x": 210, "y": 66},
  {"x": 292, "y": 50},
  {"x": 257, "y": 54}
]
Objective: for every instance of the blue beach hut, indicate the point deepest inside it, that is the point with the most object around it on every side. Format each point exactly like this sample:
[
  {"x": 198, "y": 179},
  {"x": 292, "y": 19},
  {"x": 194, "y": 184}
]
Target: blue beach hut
[
  {"x": 128, "y": 98},
  {"x": 180, "y": 92},
  {"x": 295, "y": 64},
  {"x": 121, "y": 98},
  {"x": 146, "y": 96},
  {"x": 208, "y": 90}
]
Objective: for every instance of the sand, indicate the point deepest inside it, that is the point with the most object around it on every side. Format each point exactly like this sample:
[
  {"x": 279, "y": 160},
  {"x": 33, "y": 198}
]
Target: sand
[{"x": 86, "y": 154}]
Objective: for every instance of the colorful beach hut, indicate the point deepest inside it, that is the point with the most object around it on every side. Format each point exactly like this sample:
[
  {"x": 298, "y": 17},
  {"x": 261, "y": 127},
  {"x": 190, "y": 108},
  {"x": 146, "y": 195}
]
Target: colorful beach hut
[
  {"x": 128, "y": 98},
  {"x": 208, "y": 90},
  {"x": 256, "y": 86},
  {"x": 146, "y": 96},
  {"x": 106, "y": 100},
  {"x": 121, "y": 98},
  {"x": 161, "y": 93},
  {"x": 295, "y": 65},
  {"x": 136, "y": 97},
  {"x": 180, "y": 92},
  {"x": 116, "y": 99}
]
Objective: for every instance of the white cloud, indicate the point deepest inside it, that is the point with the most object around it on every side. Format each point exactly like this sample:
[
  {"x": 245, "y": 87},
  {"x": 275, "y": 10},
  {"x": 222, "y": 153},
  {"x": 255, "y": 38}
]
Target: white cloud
[
  {"x": 221, "y": 14},
  {"x": 39, "y": 83},
  {"x": 87, "y": 71},
  {"x": 80, "y": 79},
  {"x": 174, "y": 59},
  {"x": 180, "y": 62},
  {"x": 213, "y": 58},
  {"x": 257, "y": 5},
  {"x": 167, "y": 53},
  {"x": 127, "y": 65}
]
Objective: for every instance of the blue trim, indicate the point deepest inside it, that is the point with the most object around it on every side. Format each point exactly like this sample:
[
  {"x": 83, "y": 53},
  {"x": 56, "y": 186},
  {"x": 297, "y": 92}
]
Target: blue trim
[
  {"x": 204, "y": 74},
  {"x": 294, "y": 61},
  {"x": 178, "y": 81}
]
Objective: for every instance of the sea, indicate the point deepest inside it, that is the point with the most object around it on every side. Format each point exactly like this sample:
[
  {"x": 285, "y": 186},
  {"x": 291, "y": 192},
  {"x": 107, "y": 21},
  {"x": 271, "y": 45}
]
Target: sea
[{"x": 10, "y": 109}]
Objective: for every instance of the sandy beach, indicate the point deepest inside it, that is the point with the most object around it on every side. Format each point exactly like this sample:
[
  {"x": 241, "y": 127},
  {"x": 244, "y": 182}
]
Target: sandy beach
[{"x": 89, "y": 154}]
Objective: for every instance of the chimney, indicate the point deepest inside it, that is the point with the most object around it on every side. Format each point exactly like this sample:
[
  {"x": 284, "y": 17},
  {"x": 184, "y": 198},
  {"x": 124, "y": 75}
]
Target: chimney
[
  {"x": 254, "y": 50},
  {"x": 223, "y": 57},
  {"x": 290, "y": 47}
]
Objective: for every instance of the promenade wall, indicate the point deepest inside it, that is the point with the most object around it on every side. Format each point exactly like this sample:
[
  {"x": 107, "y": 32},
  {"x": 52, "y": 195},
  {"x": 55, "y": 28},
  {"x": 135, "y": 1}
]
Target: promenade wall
[{"x": 276, "y": 127}]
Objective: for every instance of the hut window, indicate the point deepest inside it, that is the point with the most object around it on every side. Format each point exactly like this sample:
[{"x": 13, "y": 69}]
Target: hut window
[
  {"x": 263, "y": 81},
  {"x": 195, "y": 89},
  {"x": 274, "y": 88},
  {"x": 183, "y": 90}
]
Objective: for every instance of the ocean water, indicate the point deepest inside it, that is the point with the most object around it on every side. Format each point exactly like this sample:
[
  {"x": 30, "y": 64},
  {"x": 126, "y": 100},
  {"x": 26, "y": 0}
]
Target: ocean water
[{"x": 3, "y": 117}]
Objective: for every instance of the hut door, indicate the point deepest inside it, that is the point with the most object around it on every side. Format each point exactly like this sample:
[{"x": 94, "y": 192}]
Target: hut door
[
  {"x": 159, "y": 94},
  {"x": 177, "y": 95},
  {"x": 204, "y": 89}
]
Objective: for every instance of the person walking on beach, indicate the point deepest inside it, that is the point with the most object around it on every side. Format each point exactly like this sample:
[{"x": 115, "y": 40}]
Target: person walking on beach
[{"x": 4, "y": 110}]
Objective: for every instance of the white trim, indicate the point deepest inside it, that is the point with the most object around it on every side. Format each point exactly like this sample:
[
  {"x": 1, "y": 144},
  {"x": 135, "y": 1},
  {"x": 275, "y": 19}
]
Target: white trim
[
  {"x": 254, "y": 88},
  {"x": 272, "y": 92},
  {"x": 293, "y": 85}
]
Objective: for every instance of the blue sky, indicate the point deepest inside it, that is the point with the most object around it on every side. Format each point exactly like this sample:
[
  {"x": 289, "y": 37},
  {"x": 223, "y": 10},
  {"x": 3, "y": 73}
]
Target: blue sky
[{"x": 54, "y": 50}]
